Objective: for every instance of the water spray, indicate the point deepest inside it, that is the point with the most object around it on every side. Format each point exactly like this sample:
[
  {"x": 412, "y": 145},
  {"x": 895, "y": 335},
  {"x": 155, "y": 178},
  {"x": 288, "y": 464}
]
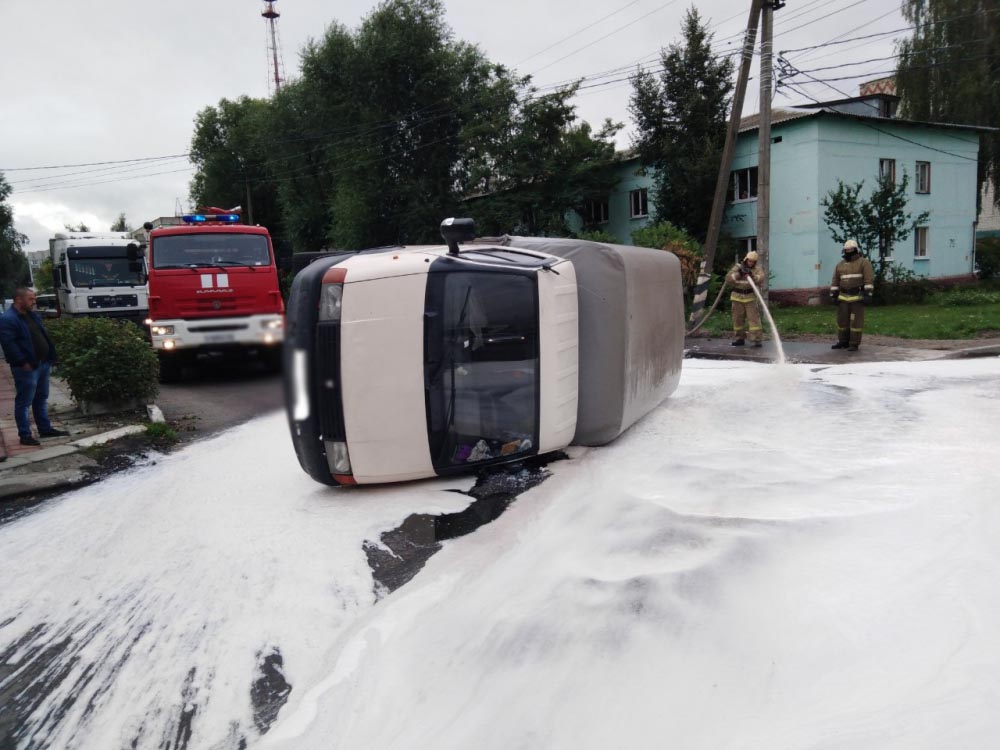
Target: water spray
[{"x": 763, "y": 305}]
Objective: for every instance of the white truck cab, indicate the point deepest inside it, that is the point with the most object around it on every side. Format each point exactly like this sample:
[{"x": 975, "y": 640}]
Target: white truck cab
[
  {"x": 411, "y": 362},
  {"x": 99, "y": 274}
]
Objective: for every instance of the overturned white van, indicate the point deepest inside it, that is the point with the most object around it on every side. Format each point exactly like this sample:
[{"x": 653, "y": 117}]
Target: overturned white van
[{"x": 411, "y": 362}]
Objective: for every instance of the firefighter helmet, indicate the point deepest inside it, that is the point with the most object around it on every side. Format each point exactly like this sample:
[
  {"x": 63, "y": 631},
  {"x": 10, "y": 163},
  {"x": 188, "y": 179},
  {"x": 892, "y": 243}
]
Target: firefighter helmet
[
  {"x": 751, "y": 257},
  {"x": 850, "y": 245}
]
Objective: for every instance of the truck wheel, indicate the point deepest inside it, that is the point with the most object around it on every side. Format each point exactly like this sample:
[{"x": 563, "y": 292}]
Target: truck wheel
[
  {"x": 170, "y": 370},
  {"x": 272, "y": 360}
]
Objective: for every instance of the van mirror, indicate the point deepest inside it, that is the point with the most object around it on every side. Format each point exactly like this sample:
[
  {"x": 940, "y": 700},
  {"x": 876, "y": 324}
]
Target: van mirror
[{"x": 132, "y": 252}]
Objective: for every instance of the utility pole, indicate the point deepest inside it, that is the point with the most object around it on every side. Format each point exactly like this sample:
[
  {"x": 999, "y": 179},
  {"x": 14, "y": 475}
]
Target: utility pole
[
  {"x": 722, "y": 182},
  {"x": 764, "y": 141}
]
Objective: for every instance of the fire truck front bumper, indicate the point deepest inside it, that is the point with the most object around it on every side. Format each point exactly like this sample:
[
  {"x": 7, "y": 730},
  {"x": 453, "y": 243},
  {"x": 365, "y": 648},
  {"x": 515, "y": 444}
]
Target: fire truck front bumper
[{"x": 254, "y": 331}]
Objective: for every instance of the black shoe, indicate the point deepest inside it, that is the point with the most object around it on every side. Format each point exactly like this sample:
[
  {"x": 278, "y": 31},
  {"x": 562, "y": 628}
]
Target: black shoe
[
  {"x": 757, "y": 344},
  {"x": 53, "y": 433},
  {"x": 852, "y": 348},
  {"x": 2, "y": 459},
  {"x": 839, "y": 345},
  {"x": 29, "y": 441},
  {"x": 738, "y": 342}
]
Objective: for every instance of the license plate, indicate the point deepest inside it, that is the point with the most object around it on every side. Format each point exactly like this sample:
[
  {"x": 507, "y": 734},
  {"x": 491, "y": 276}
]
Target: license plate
[{"x": 218, "y": 338}]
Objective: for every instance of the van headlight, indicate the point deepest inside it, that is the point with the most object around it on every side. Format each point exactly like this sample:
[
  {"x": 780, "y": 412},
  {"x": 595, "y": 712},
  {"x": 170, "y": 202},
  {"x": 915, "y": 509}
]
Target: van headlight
[{"x": 330, "y": 301}]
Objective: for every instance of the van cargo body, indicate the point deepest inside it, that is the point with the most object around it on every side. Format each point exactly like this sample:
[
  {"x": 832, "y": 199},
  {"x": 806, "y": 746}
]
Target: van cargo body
[
  {"x": 404, "y": 363},
  {"x": 98, "y": 274},
  {"x": 213, "y": 290}
]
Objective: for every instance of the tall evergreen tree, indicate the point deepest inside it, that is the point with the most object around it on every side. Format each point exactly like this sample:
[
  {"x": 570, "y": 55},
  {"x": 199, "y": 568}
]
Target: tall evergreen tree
[
  {"x": 680, "y": 115},
  {"x": 949, "y": 70}
]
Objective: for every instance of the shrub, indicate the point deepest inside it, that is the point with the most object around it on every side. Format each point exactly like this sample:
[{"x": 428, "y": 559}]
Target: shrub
[
  {"x": 104, "y": 360},
  {"x": 598, "y": 235},
  {"x": 966, "y": 297},
  {"x": 988, "y": 257},
  {"x": 903, "y": 287},
  {"x": 665, "y": 236}
]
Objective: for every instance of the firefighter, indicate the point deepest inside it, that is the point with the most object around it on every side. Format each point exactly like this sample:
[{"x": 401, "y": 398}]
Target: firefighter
[
  {"x": 851, "y": 289},
  {"x": 745, "y": 311}
]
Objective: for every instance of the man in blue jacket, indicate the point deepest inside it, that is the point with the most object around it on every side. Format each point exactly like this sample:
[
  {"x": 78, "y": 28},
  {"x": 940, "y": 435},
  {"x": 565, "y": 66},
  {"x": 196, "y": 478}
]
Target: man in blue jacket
[{"x": 30, "y": 353}]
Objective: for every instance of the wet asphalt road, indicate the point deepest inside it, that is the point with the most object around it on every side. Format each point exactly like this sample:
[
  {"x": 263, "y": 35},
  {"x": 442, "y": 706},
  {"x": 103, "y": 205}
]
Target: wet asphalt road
[{"x": 214, "y": 396}]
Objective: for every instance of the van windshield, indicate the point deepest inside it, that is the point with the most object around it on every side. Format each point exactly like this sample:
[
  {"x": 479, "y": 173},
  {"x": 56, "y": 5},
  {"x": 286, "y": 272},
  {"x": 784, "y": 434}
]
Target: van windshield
[
  {"x": 480, "y": 366},
  {"x": 216, "y": 249}
]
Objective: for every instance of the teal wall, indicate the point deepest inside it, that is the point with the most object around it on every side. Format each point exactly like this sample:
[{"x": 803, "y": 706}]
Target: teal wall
[
  {"x": 815, "y": 152},
  {"x": 619, "y": 223}
]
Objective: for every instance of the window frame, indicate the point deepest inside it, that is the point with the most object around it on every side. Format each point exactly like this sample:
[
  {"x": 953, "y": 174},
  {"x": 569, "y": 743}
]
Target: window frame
[
  {"x": 602, "y": 214},
  {"x": 882, "y": 163},
  {"x": 918, "y": 246},
  {"x": 752, "y": 184},
  {"x": 923, "y": 171},
  {"x": 642, "y": 194}
]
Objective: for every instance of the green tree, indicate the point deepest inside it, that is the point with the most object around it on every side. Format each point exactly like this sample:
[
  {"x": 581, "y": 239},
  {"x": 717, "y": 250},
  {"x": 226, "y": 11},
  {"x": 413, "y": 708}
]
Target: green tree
[
  {"x": 230, "y": 152},
  {"x": 121, "y": 224},
  {"x": 947, "y": 71},
  {"x": 79, "y": 227},
  {"x": 13, "y": 262},
  {"x": 680, "y": 116},
  {"x": 876, "y": 224},
  {"x": 389, "y": 129},
  {"x": 43, "y": 277}
]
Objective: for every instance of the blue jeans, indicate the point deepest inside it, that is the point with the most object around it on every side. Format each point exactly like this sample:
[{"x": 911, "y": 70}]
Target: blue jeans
[{"x": 32, "y": 389}]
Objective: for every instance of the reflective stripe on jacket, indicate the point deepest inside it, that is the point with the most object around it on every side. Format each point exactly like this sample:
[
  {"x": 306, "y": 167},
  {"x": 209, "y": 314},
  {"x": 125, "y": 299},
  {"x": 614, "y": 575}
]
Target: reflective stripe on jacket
[
  {"x": 851, "y": 278},
  {"x": 742, "y": 291}
]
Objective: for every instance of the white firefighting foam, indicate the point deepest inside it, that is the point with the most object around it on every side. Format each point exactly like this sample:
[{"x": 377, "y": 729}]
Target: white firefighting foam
[{"x": 776, "y": 557}]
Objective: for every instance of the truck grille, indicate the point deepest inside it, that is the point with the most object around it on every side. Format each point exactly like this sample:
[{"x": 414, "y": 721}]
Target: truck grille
[
  {"x": 328, "y": 392},
  {"x": 99, "y": 302}
]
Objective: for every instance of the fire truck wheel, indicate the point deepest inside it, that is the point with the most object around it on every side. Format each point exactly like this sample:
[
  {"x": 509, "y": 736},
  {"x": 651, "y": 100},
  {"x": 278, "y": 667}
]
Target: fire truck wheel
[{"x": 170, "y": 370}]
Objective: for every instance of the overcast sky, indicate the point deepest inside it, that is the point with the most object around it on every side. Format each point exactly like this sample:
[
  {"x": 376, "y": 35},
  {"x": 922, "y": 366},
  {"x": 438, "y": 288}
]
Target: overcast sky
[{"x": 114, "y": 80}]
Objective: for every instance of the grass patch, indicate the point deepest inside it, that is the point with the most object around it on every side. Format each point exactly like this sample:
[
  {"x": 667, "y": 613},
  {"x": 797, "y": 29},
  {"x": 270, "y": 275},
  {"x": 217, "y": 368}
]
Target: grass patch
[
  {"x": 953, "y": 314},
  {"x": 161, "y": 434}
]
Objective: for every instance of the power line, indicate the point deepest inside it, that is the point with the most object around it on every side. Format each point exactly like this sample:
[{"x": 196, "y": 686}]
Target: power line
[
  {"x": 577, "y": 32},
  {"x": 92, "y": 164}
]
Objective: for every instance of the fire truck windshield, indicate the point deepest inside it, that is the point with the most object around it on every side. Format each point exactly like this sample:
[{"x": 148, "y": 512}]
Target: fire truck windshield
[{"x": 216, "y": 249}]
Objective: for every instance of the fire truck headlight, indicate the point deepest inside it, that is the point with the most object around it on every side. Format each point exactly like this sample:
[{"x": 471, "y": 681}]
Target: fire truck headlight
[
  {"x": 162, "y": 330},
  {"x": 169, "y": 344},
  {"x": 272, "y": 325},
  {"x": 330, "y": 300}
]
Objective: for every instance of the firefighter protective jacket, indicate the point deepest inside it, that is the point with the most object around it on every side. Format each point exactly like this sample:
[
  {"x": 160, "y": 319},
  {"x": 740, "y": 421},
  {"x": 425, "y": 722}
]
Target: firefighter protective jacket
[
  {"x": 741, "y": 287},
  {"x": 852, "y": 277}
]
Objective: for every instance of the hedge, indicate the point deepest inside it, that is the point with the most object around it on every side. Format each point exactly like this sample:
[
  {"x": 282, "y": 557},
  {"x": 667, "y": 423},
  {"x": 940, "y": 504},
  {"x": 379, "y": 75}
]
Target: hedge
[{"x": 104, "y": 360}]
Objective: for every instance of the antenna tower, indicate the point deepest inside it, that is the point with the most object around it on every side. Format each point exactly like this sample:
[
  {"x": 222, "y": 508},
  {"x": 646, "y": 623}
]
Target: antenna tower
[{"x": 275, "y": 65}]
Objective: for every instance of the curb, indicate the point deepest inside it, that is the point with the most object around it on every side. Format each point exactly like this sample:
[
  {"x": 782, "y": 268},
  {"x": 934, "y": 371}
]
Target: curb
[{"x": 66, "y": 449}]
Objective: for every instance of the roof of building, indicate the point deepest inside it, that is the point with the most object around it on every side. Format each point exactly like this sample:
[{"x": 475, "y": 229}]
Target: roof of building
[{"x": 778, "y": 115}]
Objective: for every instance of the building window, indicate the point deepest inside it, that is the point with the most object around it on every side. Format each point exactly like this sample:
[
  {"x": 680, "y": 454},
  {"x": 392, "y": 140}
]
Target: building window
[
  {"x": 743, "y": 185},
  {"x": 920, "y": 242},
  {"x": 638, "y": 203},
  {"x": 746, "y": 244},
  {"x": 885, "y": 244},
  {"x": 923, "y": 176},
  {"x": 596, "y": 212},
  {"x": 887, "y": 170}
]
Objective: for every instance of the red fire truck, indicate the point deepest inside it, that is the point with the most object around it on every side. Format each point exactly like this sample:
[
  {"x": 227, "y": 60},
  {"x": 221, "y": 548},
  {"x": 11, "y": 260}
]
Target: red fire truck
[{"x": 213, "y": 292}]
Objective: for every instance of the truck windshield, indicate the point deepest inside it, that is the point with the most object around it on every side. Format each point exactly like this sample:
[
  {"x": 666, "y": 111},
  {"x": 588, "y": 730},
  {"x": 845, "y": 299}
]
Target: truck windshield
[
  {"x": 216, "y": 249},
  {"x": 480, "y": 366},
  {"x": 91, "y": 272}
]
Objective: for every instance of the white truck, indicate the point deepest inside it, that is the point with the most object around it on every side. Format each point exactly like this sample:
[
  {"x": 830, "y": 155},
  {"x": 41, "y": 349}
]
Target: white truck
[
  {"x": 410, "y": 362},
  {"x": 99, "y": 274}
]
